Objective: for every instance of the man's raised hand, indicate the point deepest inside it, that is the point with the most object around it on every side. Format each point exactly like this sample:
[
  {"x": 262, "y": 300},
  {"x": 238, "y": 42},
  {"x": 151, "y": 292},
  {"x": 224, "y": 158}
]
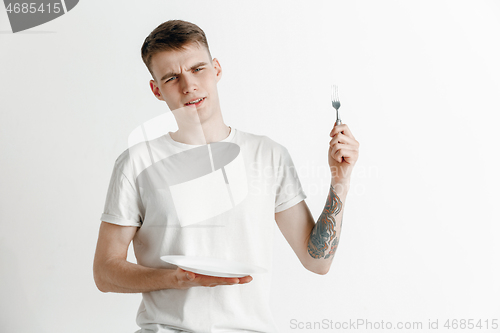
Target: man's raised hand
[{"x": 342, "y": 154}]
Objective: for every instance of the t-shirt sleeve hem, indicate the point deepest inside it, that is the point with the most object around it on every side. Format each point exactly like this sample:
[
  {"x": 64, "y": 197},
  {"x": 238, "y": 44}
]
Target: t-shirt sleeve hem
[
  {"x": 290, "y": 203},
  {"x": 119, "y": 220}
]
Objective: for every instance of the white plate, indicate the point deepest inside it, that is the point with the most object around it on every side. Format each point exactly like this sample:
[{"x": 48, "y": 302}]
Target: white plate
[{"x": 213, "y": 266}]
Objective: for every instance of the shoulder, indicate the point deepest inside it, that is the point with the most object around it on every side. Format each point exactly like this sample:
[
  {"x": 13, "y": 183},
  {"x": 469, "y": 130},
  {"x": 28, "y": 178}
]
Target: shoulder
[
  {"x": 263, "y": 149},
  {"x": 134, "y": 159},
  {"x": 262, "y": 141}
]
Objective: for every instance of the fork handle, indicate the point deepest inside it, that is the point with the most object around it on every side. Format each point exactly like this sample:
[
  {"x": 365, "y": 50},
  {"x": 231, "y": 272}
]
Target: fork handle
[{"x": 337, "y": 123}]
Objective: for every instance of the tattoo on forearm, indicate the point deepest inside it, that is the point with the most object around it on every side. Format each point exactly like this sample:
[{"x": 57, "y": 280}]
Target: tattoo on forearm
[{"x": 323, "y": 235}]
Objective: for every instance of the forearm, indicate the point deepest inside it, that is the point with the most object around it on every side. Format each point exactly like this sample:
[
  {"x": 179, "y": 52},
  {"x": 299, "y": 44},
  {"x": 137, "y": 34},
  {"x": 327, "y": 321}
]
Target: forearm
[
  {"x": 120, "y": 276},
  {"x": 324, "y": 237}
]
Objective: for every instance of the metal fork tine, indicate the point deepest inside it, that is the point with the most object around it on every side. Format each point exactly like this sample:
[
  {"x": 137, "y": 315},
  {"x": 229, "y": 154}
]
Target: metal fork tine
[{"x": 336, "y": 101}]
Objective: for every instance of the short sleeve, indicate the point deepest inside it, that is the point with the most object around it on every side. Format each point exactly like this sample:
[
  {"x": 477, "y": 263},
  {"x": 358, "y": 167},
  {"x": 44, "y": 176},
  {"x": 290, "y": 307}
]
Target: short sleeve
[
  {"x": 288, "y": 190},
  {"x": 123, "y": 204}
]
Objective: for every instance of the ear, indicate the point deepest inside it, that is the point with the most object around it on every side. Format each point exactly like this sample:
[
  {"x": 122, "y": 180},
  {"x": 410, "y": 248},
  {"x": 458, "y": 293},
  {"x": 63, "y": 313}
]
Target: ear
[
  {"x": 155, "y": 90},
  {"x": 218, "y": 69}
]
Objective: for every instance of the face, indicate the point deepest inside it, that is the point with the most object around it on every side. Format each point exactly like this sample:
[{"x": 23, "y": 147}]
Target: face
[{"x": 187, "y": 81}]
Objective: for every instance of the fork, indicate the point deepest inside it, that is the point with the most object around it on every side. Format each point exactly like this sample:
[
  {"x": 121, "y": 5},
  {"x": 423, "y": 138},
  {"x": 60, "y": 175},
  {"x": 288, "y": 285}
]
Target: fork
[{"x": 336, "y": 102}]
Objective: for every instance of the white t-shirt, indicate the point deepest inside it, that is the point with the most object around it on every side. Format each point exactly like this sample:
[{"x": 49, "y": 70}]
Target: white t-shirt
[{"x": 243, "y": 233}]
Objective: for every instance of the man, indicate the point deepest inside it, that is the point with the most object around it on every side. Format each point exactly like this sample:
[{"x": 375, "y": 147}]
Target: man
[{"x": 141, "y": 203}]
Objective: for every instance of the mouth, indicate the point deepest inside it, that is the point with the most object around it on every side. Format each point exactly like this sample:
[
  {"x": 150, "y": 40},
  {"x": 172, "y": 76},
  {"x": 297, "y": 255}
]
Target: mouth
[{"x": 195, "y": 102}]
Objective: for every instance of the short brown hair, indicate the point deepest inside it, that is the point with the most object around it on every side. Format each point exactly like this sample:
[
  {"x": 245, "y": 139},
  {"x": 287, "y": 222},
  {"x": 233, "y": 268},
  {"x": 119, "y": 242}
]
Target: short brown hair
[{"x": 172, "y": 35}]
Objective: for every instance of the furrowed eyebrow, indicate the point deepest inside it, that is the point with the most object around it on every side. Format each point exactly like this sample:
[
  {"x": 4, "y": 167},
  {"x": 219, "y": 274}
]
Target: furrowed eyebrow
[
  {"x": 170, "y": 74},
  {"x": 202, "y": 63}
]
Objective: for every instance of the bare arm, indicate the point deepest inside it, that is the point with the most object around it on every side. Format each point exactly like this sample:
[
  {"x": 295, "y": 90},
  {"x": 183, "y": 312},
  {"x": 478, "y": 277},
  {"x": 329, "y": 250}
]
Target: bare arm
[
  {"x": 113, "y": 273},
  {"x": 315, "y": 243},
  {"x": 324, "y": 237}
]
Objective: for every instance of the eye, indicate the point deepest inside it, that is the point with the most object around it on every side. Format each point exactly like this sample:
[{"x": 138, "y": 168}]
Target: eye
[
  {"x": 170, "y": 79},
  {"x": 198, "y": 69}
]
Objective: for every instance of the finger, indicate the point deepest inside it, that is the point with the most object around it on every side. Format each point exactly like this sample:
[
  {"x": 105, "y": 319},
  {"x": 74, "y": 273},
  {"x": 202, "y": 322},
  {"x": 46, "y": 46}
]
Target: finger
[
  {"x": 337, "y": 146},
  {"x": 206, "y": 280},
  {"x": 337, "y": 128},
  {"x": 341, "y": 129},
  {"x": 232, "y": 280},
  {"x": 217, "y": 281},
  {"x": 338, "y": 150},
  {"x": 349, "y": 156},
  {"x": 246, "y": 279},
  {"x": 341, "y": 138}
]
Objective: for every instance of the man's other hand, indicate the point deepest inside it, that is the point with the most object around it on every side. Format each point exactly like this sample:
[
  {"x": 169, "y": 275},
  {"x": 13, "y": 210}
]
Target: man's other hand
[{"x": 187, "y": 279}]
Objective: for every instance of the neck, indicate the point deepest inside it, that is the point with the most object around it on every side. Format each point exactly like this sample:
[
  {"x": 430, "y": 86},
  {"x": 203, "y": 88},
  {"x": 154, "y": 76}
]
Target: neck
[{"x": 200, "y": 133}]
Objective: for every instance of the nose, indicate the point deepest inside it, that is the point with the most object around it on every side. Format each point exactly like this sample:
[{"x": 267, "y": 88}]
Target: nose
[{"x": 189, "y": 84}]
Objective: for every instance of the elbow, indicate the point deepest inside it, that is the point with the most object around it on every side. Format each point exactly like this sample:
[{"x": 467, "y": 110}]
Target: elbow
[
  {"x": 100, "y": 284},
  {"x": 101, "y": 287},
  {"x": 99, "y": 280},
  {"x": 319, "y": 269},
  {"x": 322, "y": 271}
]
